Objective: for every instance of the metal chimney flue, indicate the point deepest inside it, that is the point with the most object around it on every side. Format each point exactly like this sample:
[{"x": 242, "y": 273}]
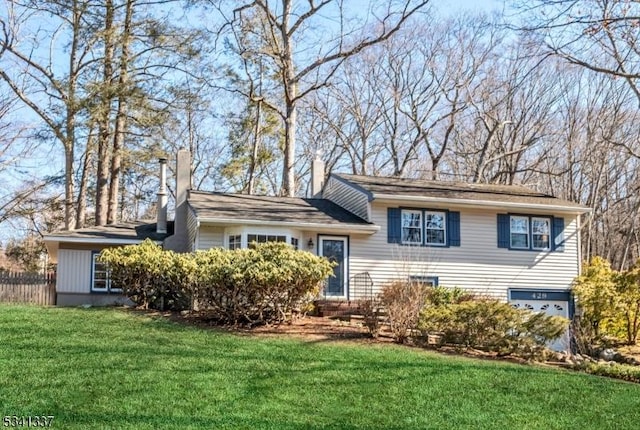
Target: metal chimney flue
[{"x": 161, "y": 221}]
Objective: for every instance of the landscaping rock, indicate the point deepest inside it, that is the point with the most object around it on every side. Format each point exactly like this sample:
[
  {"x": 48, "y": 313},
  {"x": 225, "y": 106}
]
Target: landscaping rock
[{"x": 607, "y": 354}]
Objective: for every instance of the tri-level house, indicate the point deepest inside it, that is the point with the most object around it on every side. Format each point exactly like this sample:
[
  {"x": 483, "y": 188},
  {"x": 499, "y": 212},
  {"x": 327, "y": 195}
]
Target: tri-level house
[{"x": 509, "y": 242}]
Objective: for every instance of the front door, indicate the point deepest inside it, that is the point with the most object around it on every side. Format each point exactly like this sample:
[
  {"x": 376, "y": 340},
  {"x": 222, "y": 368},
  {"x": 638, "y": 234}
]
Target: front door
[{"x": 334, "y": 248}]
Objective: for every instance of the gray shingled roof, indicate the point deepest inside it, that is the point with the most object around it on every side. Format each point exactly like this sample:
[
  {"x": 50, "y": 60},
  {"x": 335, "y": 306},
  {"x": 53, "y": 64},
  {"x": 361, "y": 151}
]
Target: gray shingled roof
[
  {"x": 242, "y": 207},
  {"x": 136, "y": 230},
  {"x": 402, "y": 187}
]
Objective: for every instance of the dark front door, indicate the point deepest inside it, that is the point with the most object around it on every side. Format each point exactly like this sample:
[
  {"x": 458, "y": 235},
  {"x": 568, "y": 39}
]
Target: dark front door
[{"x": 334, "y": 248}]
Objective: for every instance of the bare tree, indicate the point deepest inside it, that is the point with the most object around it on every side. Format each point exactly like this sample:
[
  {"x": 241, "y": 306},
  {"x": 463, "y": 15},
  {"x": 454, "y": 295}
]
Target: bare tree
[
  {"x": 601, "y": 35},
  {"x": 45, "y": 85},
  {"x": 290, "y": 29}
]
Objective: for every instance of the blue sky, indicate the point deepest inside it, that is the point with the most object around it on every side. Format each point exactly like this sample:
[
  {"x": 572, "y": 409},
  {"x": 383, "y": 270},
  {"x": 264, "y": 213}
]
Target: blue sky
[{"x": 453, "y": 5}]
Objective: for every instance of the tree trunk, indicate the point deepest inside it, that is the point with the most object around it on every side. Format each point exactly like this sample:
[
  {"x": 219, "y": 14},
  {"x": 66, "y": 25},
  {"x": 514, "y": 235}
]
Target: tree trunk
[
  {"x": 121, "y": 118},
  {"x": 104, "y": 115},
  {"x": 251, "y": 186},
  {"x": 290, "y": 93},
  {"x": 81, "y": 212}
]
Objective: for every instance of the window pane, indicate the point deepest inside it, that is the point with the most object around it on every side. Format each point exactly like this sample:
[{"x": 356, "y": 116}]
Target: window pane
[
  {"x": 519, "y": 225},
  {"x": 435, "y": 236},
  {"x": 235, "y": 241},
  {"x": 411, "y": 227},
  {"x": 540, "y": 228},
  {"x": 411, "y": 219},
  {"x": 100, "y": 281},
  {"x": 435, "y": 221},
  {"x": 435, "y": 228},
  {"x": 519, "y": 240}
]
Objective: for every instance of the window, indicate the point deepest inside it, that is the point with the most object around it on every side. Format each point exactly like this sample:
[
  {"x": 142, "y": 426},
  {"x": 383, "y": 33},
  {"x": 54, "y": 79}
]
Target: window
[
  {"x": 235, "y": 241},
  {"x": 531, "y": 232},
  {"x": 540, "y": 232},
  {"x": 412, "y": 227},
  {"x": 263, "y": 238},
  {"x": 435, "y": 230},
  {"x": 520, "y": 232},
  {"x": 429, "y": 281},
  {"x": 423, "y": 227},
  {"x": 100, "y": 280},
  {"x": 294, "y": 242}
]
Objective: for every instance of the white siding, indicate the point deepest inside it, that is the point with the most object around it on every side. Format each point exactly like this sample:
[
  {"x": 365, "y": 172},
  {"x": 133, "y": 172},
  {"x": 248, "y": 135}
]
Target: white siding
[
  {"x": 478, "y": 264},
  {"x": 351, "y": 199},
  {"x": 74, "y": 271},
  {"x": 192, "y": 228},
  {"x": 210, "y": 237}
]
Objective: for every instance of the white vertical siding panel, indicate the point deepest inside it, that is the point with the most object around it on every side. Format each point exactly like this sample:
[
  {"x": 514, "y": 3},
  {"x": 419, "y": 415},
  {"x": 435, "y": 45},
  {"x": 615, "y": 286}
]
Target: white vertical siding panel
[
  {"x": 74, "y": 271},
  {"x": 192, "y": 228},
  {"x": 349, "y": 198},
  {"x": 478, "y": 264},
  {"x": 210, "y": 237}
]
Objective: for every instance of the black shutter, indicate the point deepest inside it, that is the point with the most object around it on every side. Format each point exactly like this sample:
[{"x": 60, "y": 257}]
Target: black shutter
[
  {"x": 394, "y": 233},
  {"x": 504, "y": 231},
  {"x": 453, "y": 228},
  {"x": 558, "y": 234}
]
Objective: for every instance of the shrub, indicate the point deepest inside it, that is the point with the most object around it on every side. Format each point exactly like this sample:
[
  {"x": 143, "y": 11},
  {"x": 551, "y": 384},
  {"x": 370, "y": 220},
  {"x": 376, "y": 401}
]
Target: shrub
[
  {"x": 596, "y": 294},
  {"x": 440, "y": 296},
  {"x": 403, "y": 302},
  {"x": 628, "y": 289},
  {"x": 264, "y": 284},
  {"x": 491, "y": 325},
  {"x": 611, "y": 370},
  {"x": 372, "y": 310},
  {"x": 150, "y": 276},
  {"x": 610, "y": 302}
]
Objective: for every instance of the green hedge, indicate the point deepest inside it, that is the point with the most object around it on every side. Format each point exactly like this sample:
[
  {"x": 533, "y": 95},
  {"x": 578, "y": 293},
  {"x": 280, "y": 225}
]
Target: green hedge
[
  {"x": 150, "y": 276},
  {"x": 488, "y": 324},
  {"x": 612, "y": 370},
  {"x": 266, "y": 283}
]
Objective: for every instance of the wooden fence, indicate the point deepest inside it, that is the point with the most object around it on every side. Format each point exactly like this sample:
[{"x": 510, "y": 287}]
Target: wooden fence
[{"x": 34, "y": 288}]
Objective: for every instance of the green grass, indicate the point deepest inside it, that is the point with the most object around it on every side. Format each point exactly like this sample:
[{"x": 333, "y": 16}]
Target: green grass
[{"x": 108, "y": 368}]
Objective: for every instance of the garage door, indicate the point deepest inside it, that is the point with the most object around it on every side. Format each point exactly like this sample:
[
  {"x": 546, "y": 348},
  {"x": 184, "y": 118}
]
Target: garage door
[{"x": 553, "y": 303}]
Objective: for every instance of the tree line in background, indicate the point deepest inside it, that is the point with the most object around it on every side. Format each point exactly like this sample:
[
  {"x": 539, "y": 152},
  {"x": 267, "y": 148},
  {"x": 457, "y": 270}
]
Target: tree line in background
[{"x": 544, "y": 94}]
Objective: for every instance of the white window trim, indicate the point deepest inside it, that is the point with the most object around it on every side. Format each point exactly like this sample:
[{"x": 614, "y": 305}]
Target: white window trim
[
  {"x": 549, "y": 224},
  {"x": 444, "y": 228},
  {"x": 107, "y": 289},
  {"x": 421, "y": 226},
  {"x": 528, "y": 233},
  {"x": 237, "y": 244}
]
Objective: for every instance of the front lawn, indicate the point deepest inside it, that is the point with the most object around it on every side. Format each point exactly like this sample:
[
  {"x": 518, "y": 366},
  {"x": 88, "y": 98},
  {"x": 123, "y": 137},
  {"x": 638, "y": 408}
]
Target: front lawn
[{"x": 109, "y": 368}]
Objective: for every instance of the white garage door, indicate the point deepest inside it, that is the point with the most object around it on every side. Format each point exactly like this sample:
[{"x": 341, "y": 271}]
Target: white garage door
[{"x": 541, "y": 302}]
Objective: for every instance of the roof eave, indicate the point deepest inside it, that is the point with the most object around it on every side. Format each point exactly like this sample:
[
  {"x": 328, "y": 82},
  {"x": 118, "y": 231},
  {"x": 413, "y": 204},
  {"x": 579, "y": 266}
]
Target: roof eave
[
  {"x": 356, "y": 228},
  {"x": 485, "y": 203},
  {"x": 97, "y": 240}
]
